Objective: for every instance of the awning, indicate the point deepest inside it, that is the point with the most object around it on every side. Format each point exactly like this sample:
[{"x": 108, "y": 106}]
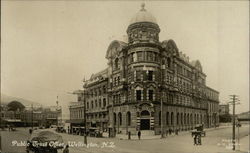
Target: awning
[{"x": 13, "y": 120}]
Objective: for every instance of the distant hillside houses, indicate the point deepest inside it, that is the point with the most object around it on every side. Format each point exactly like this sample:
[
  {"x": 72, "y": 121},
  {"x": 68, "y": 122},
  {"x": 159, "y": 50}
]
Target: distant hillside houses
[{"x": 29, "y": 115}]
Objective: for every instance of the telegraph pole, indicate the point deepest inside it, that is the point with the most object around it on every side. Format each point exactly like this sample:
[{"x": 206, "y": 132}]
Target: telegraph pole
[
  {"x": 84, "y": 119},
  {"x": 32, "y": 115},
  {"x": 234, "y": 99},
  {"x": 57, "y": 113}
]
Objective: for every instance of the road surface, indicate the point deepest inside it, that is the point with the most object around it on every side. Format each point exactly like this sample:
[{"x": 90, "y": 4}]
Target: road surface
[{"x": 216, "y": 141}]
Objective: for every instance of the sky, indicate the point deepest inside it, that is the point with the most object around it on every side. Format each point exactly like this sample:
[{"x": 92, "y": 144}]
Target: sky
[{"x": 48, "y": 47}]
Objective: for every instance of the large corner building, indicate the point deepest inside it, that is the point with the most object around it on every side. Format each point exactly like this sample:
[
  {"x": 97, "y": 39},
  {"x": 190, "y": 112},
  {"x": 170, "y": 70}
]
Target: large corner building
[{"x": 141, "y": 74}]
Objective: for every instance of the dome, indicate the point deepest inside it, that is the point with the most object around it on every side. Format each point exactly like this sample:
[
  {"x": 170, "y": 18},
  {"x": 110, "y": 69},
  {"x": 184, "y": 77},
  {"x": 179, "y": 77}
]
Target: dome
[{"x": 143, "y": 16}]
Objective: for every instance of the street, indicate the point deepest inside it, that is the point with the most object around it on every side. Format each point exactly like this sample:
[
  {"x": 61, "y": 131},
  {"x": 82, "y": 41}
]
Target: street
[{"x": 216, "y": 141}]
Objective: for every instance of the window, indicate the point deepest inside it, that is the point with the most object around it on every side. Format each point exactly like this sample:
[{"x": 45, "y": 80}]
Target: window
[
  {"x": 167, "y": 118},
  {"x": 96, "y": 103},
  {"x": 114, "y": 99},
  {"x": 87, "y": 105},
  {"x": 132, "y": 57},
  {"x": 119, "y": 98},
  {"x": 160, "y": 118},
  {"x": 140, "y": 56},
  {"x": 114, "y": 117},
  {"x": 100, "y": 103},
  {"x": 177, "y": 118},
  {"x": 168, "y": 62},
  {"x": 150, "y": 94},
  {"x": 116, "y": 63},
  {"x": 104, "y": 102},
  {"x": 128, "y": 118},
  {"x": 79, "y": 98},
  {"x": 138, "y": 75},
  {"x": 118, "y": 80},
  {"x": 138, "y": 94},
  {"x": 156, "y": 57},
  {"x": 150, "y": 75},
  {"x": 172, "y": 118},
  {"x": 104, "y": 89},
  {"x": 150, "y": 56},
  {"x": 120, "y": 118},
  {"x": 92, "y": 104}
]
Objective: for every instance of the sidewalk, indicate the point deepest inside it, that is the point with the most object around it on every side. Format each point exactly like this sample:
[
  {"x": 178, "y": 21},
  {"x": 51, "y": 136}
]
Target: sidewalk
[{"x": 150, "y": 137}]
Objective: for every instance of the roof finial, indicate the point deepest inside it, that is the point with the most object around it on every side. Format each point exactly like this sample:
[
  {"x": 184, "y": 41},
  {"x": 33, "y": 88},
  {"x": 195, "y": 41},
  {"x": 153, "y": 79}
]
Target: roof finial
[{"x": 142, "y": 6}]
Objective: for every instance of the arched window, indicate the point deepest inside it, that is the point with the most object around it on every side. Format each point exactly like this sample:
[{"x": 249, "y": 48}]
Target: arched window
[
  {"x": 114, "y": 117},
  {"x": 194, "y": 118},
  {"x": 172, "y": 118},
  {"x": 191, "y": 118},
  {"x": 116, "y": 63},
  {"x": 120, "y": 118},
  {"x": 167, "y": 118},
  {"x": 177, "y": 118},
  {"x": 128, "y": 118},
  {"x": 145, "y": 113},
  {"x": 181, "y": 119},
  {"x": 168, "y": 62},
  {"x": 185, "y": 119}
]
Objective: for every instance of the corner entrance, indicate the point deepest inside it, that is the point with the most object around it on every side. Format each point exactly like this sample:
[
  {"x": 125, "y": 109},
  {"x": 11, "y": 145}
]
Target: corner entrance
[
  {"x": 145, "y": 124},
  {"x": 145, "y": 120}
]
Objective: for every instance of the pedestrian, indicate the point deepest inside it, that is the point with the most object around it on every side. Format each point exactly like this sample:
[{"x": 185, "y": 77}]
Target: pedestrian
[
  {"x": 199, "y": 139},
  {"x": 170, "y": 131},
  {"x": 139, "y": 135},
  {"x": 66, "y": 149},
  {"x": 195, "y": 139},
  {"x": 30, "y": 130}
]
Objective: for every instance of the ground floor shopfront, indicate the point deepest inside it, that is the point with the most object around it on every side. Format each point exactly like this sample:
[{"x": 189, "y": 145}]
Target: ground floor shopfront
[{"x": 147, "y": 116}]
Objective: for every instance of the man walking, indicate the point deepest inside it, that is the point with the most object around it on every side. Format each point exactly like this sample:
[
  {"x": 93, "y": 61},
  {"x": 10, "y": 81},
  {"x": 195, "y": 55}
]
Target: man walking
[
  {"x": 195, "y": 139},
  {"x": 139, "y": 135}
]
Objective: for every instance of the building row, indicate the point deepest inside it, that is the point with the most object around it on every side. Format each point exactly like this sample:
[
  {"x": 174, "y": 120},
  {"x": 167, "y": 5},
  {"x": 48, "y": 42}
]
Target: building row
[{"x": 37, "y": 116}]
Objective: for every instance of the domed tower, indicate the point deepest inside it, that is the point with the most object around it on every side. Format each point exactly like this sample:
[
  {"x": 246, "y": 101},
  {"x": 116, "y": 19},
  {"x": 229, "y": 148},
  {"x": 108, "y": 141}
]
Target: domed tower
[
  {"x": 143, "y": 67},
  {"x": 143, "y": 28}
]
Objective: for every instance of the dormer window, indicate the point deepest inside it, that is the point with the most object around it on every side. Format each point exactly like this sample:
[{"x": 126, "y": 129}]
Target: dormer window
[{"x": 116, "y": 63}]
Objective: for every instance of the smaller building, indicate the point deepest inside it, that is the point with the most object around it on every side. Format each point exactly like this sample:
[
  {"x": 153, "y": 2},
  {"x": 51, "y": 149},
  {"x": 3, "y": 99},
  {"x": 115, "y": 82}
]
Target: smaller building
[
  {"x": 223, "y": 109},
  {"x": 224, "y": 115},
  {"x": 41, "y": 116},
  {"x": 244, "y": 117}
]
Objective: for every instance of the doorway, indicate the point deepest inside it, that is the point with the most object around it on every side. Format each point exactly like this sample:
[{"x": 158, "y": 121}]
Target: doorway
[
  {"x": 145, "y": 124},
  {"x": 145, "y": 120}
]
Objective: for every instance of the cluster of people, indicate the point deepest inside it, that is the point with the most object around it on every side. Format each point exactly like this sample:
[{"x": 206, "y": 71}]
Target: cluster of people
[{"x": 197, "y": 139}]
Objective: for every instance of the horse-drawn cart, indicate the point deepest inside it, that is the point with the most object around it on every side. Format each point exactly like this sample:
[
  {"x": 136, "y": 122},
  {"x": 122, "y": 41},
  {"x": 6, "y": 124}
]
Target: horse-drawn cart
[{"x": 199, "y": 130}]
